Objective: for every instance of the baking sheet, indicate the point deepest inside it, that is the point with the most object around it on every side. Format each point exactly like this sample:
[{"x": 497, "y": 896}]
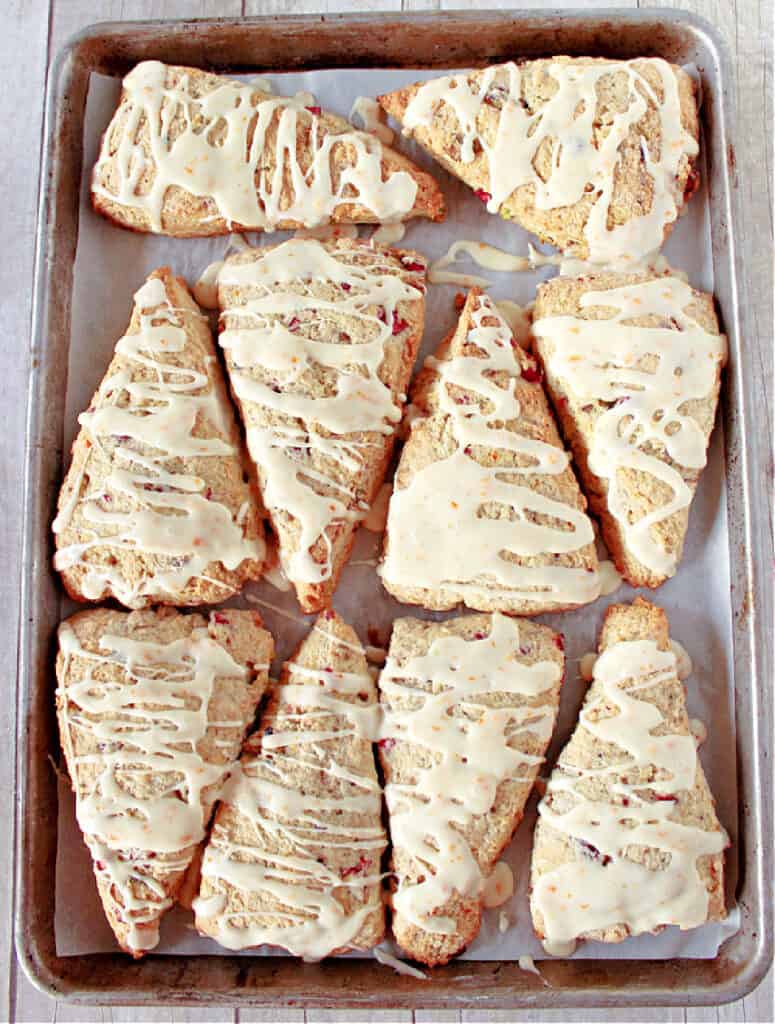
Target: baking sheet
[{"x": 111, "y": 264}]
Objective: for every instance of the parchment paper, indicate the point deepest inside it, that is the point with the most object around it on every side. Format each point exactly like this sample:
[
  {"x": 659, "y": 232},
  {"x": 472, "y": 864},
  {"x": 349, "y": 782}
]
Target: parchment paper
[{"x": 111, "y": 264}]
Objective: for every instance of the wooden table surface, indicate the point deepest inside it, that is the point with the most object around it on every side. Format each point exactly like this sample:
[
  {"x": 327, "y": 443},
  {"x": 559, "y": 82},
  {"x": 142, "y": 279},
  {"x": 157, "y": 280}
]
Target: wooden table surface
[{"x": 31, "y": 31}]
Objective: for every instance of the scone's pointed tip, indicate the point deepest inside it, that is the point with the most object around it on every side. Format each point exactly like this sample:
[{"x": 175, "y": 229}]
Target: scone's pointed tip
[{"x": 395, "y": 103}]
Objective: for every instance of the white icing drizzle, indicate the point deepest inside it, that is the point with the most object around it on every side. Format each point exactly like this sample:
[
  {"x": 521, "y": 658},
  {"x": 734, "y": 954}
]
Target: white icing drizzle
[
  {"x": 399, "y": 966},
  {"x": 603, "y": 887},
  {"x": 603, "y": 361},
  {"x": 566, "y": 121},
  {"x": 388, "y": 234},
  {"x": 438, "y": 539},
  {"x": 519, "y": 318},
  {"x": 527, "y": 963},
  {"x": 372, "y": 118},
  {"x": 487, "y": 256},
  {"x": 145, "y": 504},
  {"x": 499, "y": 886},
  {"x": 286, "y": 329},
  {"x": 305, "y": 916},
  {"x": 442, "y": 702},
  {"x": 610, "y": 578},
  {"x": 232, "y": 172},
  {"x": 151, "y": 722},
  {"x": 698, "y": 730}
]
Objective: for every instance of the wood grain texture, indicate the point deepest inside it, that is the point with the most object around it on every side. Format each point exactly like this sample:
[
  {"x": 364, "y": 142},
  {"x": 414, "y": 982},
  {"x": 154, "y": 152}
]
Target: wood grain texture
[{"x": 32, "y": 30}]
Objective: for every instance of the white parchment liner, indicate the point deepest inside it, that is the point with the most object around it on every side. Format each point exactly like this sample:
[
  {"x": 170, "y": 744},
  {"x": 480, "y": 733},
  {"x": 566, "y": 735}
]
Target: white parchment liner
[{"x": 112, "y": 263}]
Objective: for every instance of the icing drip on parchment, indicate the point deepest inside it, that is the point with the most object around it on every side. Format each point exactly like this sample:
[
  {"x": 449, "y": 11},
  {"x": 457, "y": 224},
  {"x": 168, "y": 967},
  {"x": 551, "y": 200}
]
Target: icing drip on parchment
[
  {"x": 605, "y": 887},
  {"x": 438, "y": 539},
  {"x": 149, "y": 724},
  {"x": 262, "y": 161},
  {"x": 470, "y": 706},
  {"x": 284, "y": 866},
  {"x": 584, "y": 159},
  {"x": 143, "y": 422},
  {"x": 311, "y": 447},
  {"x": 646, "y": 374}
]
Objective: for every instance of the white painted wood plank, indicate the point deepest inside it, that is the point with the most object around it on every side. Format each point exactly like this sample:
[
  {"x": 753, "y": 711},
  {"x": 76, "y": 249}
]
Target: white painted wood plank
[
  {"x": 22, "y": 74},
  {"x": 637, "y": 1016},
  {"x": 359, "y": 1016},
  {"x": 437, "y": 1016},
  {"x": 250, "y": 1016}
]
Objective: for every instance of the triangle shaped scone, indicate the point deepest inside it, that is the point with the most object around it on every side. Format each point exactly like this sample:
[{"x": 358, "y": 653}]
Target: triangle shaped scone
[
  {"x": 469, "y": 708},
  {"x": 191, "y": 153},
  {"x": 627, "y": 839},
  {"x": 594, "y": 156},
  {"x": 294, "y": 854},
  {"x": 155, "y": 507},
  {"x": 633, "y": 364},
  {"x": 485, "y": 508},
  {"x": 320, "y": 340},
  {"x": 153, "y": 708}
]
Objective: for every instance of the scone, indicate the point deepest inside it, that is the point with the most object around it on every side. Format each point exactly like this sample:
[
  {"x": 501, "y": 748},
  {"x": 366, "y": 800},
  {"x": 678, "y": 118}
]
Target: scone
[
  {"x": 485, "y": 508},
  {"x": 320, "y": 340},
  {"x": 191, "y": 153},
  {"x": 627, "y": 839},
  {"x": 633, "y": 365},
  {"x": 469, "y": 707},
  {"x": 595, "y": 156},
  {"x": 294, "y": 854},
  {"x": 156, "y": 507},
  {"x": 153, "y": 707}
]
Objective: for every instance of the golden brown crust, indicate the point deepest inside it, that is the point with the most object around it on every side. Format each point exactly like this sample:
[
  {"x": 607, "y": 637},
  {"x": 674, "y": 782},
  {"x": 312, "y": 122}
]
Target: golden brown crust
[
  {"x": 394, "y": 372},
  {"x": 640, "y": 620},
  {"x": 225, "y": 480},
  {"x": 186, "y": 215},
  {"x": 240, "y": 633},
  {"x": 561, "y": 296},
  {"x": 431, "y": 440},
  {"x": 489, "y": 834},
  {"x": 316, "y": 770},
  {"x": 564, "y": 227}
]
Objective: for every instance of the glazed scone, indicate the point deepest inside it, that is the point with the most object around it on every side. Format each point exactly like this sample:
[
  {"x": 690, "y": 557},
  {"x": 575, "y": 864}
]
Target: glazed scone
[
  {"x": 320, "y": 340},
  {"x": 595, "y": 156},
  {"x": 633, "y": 365},
  {"x": 294, "y": 854},
  {"x": 485, "y": 508},
  {"x": 153, "y": 707},
  {"x": 191, "y": 153},
  {"x": 469, "y": 707},
  {"x": 627, "y": 839},
  {"x": 156, "y": 507}
]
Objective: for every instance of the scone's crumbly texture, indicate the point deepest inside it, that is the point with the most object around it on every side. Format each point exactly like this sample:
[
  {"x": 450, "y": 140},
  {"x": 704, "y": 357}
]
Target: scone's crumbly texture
[
  {"x": 627, "y": 839},
  {"x": 633, "y": 365},
  {"x": 595, "y": 156},
  {"x": 191, "y": 153},
  {"x": 320, "y": 340},
  {"x": 153, "y": 707},
  {"x": 485, "y": 508},
  {"x": 469, "y": 707},
  {"x": 294, "y": 854},
  {"x": 156, "y": 507}
]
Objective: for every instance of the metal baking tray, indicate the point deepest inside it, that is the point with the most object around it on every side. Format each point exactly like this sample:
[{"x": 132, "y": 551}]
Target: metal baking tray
[{"x": 379, "y": 40}]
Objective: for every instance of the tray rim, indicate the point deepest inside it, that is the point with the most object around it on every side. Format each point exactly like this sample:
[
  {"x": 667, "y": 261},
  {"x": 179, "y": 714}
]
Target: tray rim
[{"x": 752, "y": 595}]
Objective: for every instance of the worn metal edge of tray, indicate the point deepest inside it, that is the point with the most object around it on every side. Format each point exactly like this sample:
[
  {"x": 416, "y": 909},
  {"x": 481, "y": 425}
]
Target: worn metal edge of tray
[{"x": 181, "y": 980}]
